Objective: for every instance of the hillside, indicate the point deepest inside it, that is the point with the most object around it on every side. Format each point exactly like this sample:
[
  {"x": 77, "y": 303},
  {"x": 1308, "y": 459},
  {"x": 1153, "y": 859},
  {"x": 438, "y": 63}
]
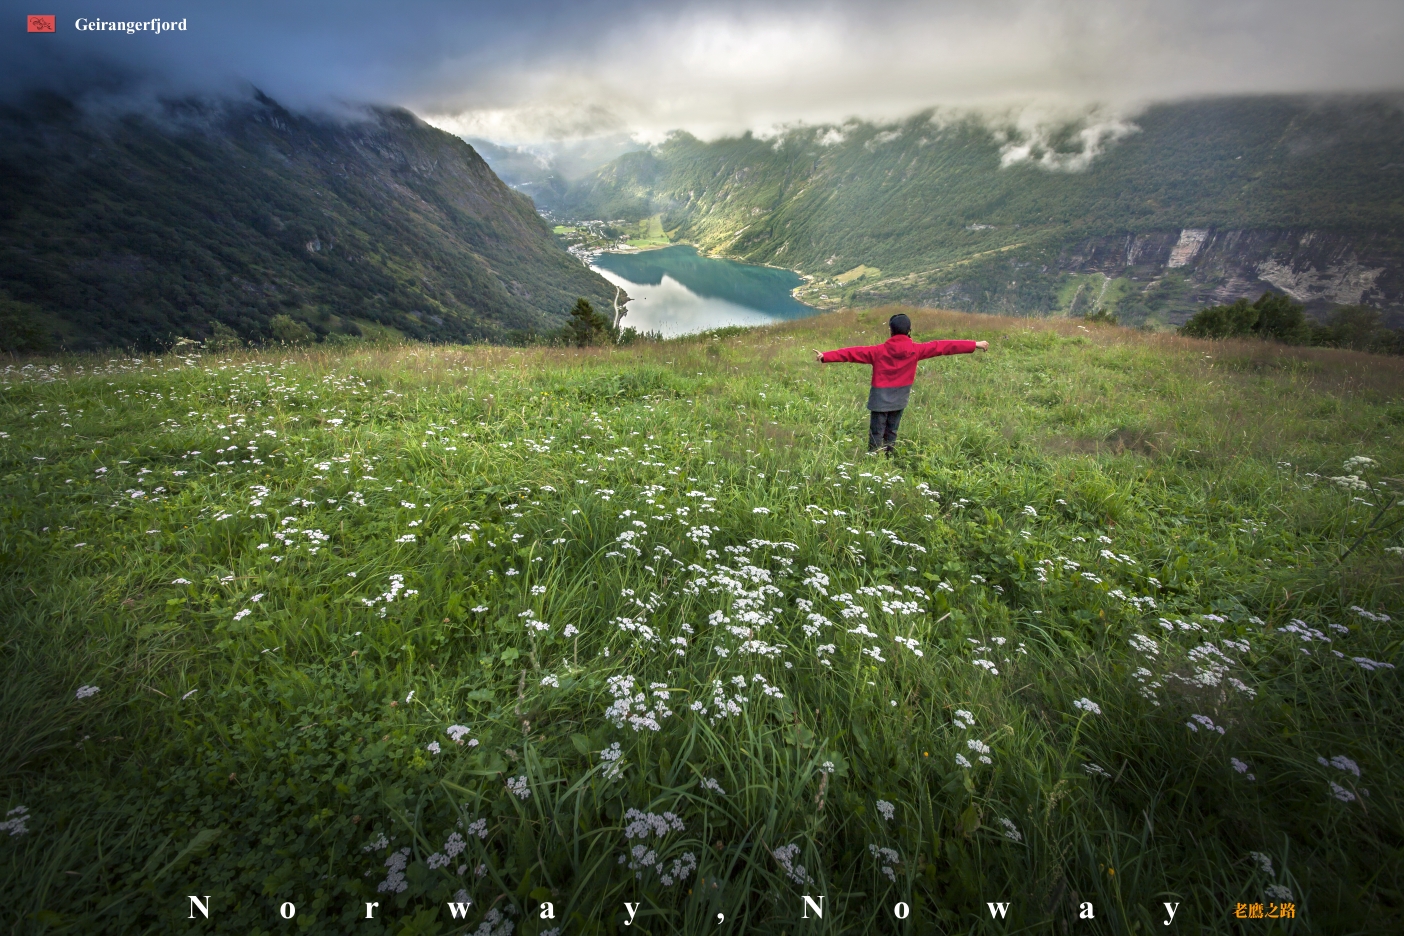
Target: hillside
[
  {"x": 140, "y": 229},
  {"x": 1188, "y": 204},
  {"x": 549, "y": 630}
]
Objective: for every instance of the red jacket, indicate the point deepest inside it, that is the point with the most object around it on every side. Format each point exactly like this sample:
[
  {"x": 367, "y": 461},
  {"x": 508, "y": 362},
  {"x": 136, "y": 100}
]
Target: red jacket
[{"x": 895, "y": 360}]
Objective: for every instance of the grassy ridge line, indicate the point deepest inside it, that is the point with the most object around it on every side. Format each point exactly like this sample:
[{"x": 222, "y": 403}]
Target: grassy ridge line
[{"x": 276, "y": 779}]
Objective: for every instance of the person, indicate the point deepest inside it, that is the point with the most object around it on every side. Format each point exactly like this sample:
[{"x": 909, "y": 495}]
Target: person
[{"x": 894, "y": 364}]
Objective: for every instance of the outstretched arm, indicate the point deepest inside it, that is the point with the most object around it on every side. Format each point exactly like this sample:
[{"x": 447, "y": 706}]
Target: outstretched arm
[
  {"x": 929, "y": 349},
  {"x": 863, "y": 355}
]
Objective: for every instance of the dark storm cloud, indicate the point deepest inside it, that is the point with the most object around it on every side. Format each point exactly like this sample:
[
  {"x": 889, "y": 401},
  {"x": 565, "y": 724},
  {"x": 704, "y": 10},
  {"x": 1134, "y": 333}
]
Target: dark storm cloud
[{"x": 536, "y": 69}]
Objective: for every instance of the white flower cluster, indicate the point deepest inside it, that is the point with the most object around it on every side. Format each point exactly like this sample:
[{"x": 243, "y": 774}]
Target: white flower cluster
[
  {"x": 397, "y": 585},
  {"x": 395, "y": 882},
  {"x": 610, "y": 760},
  {"x": 458, "y": 732},
  {"x": 1340, "y": 762},
  {"x": 452, "y": 848},
  {"x": 1143, "y": 644},
  {"x": 518, "y": 787},
  {"x": 785, "y": 855},
  {"x": 910, "y": 644},
  {"x": 1205, "y": 721},
  {"x": 886, "y": 809},
  {"x": 1088, "y": 706},
  {"x": 496, "y": 923},
  {"x": 16, "y": 821},
  {"x": 722, "y": 706},
  {"x": 635, "y": 708},
  {"x": 1011, "y": 831},
  {"x": 888, "y": 859},
  {"x": 641, "y": 824},
  {"x": 640, "y": 857},
  {"x": 534, "y": 625}
]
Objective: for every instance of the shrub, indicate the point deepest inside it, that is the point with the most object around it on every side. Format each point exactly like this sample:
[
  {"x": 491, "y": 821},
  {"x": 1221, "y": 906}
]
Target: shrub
[
  {"x": 1359, "y": 327},
  {"x": 1273, "y": 316},
  {"x": 20, "y": 331},
  {"x": 289, "y": 330},
  {"x": 1277, "y": 317}
]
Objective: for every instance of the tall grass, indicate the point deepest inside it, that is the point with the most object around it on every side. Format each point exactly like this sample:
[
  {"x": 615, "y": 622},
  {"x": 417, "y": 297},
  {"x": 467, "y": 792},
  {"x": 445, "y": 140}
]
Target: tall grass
[{"x": 560, "y": 518}]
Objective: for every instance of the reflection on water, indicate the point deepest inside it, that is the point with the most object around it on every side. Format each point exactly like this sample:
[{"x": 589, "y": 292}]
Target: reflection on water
[{"x": 675, "y": 291}]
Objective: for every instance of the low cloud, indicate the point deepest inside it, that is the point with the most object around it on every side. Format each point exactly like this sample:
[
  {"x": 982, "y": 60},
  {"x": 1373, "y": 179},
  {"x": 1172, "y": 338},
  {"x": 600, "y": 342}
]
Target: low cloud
[
  {"x": 1058, "y": 146},
  {"x": 538, "y": 70}
]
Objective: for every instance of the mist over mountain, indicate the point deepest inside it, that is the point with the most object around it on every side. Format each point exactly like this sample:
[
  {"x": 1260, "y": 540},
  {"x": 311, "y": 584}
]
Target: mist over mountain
[
  {"x": 1149, "y": 218},
  {"x": 146, "y": 226},
  {"x": 546, "y": 170}
]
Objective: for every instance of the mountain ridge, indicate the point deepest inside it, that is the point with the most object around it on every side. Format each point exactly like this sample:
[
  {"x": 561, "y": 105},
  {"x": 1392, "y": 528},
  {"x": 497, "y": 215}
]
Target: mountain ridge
[
  {"x": 959, "y": 212},
  {"x": 141, "y": 229}
]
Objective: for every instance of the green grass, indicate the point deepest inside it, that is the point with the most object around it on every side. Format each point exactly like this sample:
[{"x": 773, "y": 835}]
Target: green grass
[
  {"x": 857, "y": 273},
  {"x": 261, "y": 727},
  {"x": 648, "y": 233}
]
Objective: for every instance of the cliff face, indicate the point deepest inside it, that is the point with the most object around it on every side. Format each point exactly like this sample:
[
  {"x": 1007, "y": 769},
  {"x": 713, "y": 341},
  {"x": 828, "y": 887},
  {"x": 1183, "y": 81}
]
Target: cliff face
[
  {"x": 1163, "y": 277},
  {"x": 138, "y": 230},
  {"x": 1321, "y": 269}
]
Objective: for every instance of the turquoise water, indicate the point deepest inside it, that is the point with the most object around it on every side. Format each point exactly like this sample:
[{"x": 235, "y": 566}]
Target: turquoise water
[{"x": 675, "y": 291}]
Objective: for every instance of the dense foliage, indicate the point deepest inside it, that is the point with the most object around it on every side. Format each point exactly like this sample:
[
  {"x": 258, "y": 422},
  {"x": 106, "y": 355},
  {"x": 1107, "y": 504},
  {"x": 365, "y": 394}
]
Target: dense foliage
[
  {"x": 1276, "y": 317},
  {"x": 141, "y": 229},
  {"x": 957, "y": 212},
  {"x": 429, "y": 624}
]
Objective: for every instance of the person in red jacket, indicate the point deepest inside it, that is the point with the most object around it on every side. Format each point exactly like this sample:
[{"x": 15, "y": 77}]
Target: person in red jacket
[{"x": 894, "y": 364}]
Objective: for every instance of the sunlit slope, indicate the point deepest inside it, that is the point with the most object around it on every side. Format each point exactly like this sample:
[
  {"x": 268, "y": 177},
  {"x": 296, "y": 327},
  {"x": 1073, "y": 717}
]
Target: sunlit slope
[{"x": 404, "y": 624}]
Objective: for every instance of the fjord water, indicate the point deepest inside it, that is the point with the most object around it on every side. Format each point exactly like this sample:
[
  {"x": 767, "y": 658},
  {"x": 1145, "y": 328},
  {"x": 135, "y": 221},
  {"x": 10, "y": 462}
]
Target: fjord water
[{"x": 676, "y": 291}]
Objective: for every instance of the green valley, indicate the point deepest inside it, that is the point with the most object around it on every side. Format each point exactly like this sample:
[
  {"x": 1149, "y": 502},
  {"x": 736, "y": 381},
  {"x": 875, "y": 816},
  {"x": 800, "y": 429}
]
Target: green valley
[{"x": 1188, "y": 204}]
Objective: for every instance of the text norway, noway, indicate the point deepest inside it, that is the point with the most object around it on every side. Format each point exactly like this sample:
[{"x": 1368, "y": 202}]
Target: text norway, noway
[
  {"x": 459, "y": 910},
  {"x": 153, "y": 26}
]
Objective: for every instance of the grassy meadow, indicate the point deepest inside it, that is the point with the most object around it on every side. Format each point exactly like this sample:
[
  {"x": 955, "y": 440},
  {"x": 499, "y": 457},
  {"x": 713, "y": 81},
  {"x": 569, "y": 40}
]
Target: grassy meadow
[{"x": 422, "y": 625}]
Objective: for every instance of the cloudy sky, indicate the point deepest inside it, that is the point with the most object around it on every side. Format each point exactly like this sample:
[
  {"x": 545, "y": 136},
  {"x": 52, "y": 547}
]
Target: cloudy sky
[{"x": 531, "y": 70}]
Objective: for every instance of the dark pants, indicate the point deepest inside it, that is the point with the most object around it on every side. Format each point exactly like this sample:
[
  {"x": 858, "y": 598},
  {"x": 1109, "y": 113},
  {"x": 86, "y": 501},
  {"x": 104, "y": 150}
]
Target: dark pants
[{"x": 882, "y": 430}]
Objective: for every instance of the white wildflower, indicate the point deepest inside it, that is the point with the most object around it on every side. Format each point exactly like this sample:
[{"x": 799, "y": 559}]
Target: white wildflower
[
  {"x": 16, "y": 821},
  {"x": 1264, "y": 862}
]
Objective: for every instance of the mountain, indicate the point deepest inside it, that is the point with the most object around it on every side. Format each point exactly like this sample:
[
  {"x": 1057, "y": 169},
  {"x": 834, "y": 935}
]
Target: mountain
[
  {"x": 1189, "y": 203},
  {"x": 138, "y": 229}
]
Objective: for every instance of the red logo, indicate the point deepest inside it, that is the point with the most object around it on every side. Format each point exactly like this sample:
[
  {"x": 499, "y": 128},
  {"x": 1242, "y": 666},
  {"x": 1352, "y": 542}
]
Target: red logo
[{"x": 41, "y": 23}]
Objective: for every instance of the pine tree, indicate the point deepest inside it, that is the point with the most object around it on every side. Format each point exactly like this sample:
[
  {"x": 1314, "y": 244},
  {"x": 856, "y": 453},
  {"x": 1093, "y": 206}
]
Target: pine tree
[{"x": 586, "y": 326}]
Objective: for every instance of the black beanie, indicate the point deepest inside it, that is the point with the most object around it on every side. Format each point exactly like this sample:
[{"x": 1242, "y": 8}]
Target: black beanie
[{"x": 900, "y": 324}]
